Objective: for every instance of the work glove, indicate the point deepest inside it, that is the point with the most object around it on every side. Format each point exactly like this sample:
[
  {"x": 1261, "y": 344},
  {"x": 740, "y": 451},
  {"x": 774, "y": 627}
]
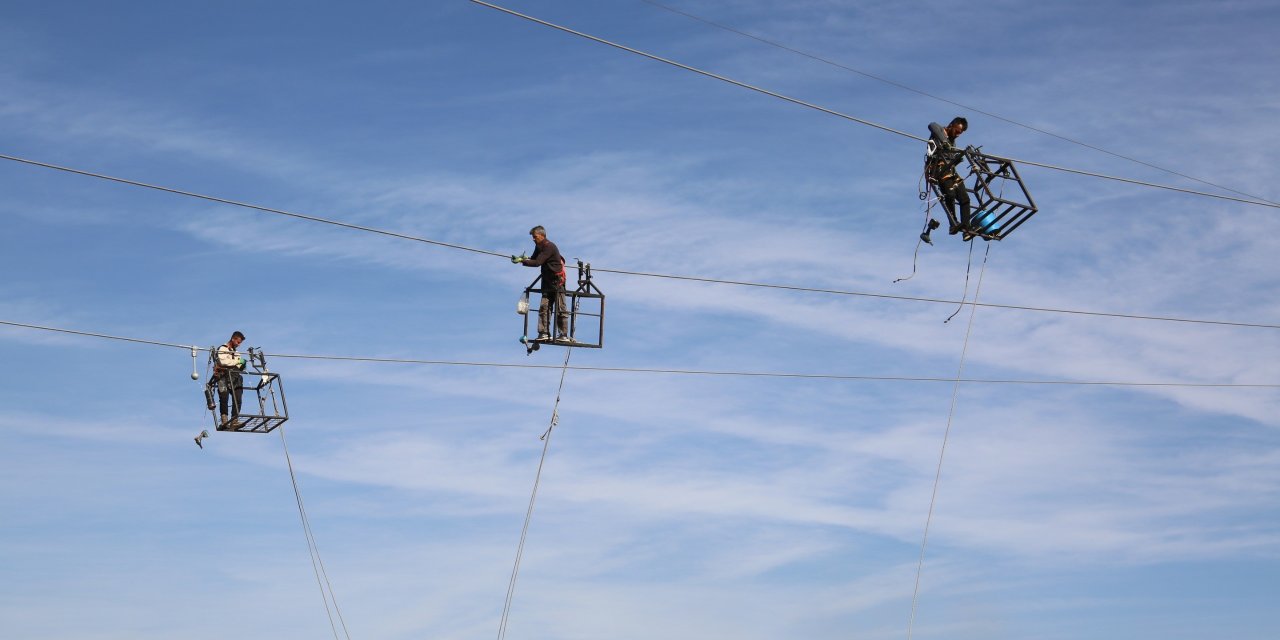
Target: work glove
[
  {"x": 240, "y": 363},
  {"x": 518, "y": 259}
]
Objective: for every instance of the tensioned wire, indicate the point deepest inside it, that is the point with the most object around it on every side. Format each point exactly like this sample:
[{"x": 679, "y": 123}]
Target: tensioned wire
[
  {"x": 669, "y": 371},
  {"x": 846, "y": 116},
  {"x": 246, "y": 205},
  {"x": 926, "y": 94},
  {"x": 533, "y": 497},
  {"x": 313, "y": 549},
  {"x": 942, "y": 451},
  {"x": 644, "y": 274}
]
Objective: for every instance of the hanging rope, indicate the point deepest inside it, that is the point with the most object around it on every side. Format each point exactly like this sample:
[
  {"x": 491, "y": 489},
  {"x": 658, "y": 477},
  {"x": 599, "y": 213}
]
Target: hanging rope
[
  {"x": 533, "y": 497},
  {"x": 967, "y": 268},
  {"x": 937, "y": 476},
  {"x": 313, "y": 550}
]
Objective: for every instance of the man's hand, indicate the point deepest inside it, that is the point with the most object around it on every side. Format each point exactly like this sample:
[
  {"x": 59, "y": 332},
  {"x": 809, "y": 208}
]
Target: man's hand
[{"x": 518, "y": 259}]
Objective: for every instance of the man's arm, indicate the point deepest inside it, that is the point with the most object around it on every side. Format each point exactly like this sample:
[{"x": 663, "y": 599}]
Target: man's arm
[
  {"x": 539, "y": 257},
  {"x": 939, "y": 134}
]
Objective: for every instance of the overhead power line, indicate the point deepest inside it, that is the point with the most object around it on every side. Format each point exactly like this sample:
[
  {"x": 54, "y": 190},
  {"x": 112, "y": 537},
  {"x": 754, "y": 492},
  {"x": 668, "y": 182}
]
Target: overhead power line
[
  {"x": 846, "y": 116},
  {"x": 669, "y": 371},
  {"x": 246, "y": 205},
  {"x": 926, "y": 94},
  {"x": 990, "y": 305},
  {"x": 722, "y": 281},
  {"x": 775, "y": 374},
  {"x": 91, "y": 334}
]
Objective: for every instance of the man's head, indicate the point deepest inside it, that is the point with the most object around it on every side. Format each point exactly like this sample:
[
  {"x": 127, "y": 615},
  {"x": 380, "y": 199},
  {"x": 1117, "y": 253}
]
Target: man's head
[
  {"x": 958, "y": 126},
  {"x": 236, "y": 339},
  {"x": 539, "y": 234}
]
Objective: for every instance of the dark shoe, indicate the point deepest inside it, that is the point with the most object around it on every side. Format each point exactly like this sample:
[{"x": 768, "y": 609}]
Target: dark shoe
[{"x": 954, "y": 229}]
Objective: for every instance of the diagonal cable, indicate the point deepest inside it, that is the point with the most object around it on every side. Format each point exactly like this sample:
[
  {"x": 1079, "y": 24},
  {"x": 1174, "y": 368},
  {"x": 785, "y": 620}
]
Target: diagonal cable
[
  {"x": 926, "y": 94},
  {"x": 313, "y": 549},
  {"x": 721, "y": 281},
  {"x": 247, "y": 205},
  {"x": 533, "y": 496},
  {"x": 937, "y": 477},
  {"x": 846, "y": 116}
]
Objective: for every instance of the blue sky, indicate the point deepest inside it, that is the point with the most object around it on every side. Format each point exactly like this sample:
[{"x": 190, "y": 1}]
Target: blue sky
[{"x": 675, "y": 507}]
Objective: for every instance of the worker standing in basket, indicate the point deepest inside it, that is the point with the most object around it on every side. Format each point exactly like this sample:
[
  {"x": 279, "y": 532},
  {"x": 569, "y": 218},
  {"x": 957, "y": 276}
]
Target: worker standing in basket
[
  {"x": 547, "y": 256},
  {"x": 941, "y": 171},
  {"x": 227, "y": 378}
]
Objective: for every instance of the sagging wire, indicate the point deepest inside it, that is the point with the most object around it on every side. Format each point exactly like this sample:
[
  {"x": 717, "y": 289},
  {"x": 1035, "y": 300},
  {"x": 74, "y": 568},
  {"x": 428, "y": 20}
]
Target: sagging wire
[
  {"x": 697, "y": 372},
  {"x": 928, "y": 226},
  {"x": 643, "y": 274},
  {"x": 967, "y": 268}
]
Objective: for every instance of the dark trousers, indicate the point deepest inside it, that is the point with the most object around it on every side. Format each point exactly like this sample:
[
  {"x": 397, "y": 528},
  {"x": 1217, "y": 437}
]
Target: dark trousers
[
  {"x": 552, "y": 298},
  {"x": 953, "y": 193},
  {"x": 230, "y": 384}
]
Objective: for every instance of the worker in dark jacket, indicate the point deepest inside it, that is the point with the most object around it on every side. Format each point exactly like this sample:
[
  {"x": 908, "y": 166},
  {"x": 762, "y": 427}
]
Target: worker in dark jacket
[
  {"x": 547, "y": 256},
  {"x": 941, "y": 170}
]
